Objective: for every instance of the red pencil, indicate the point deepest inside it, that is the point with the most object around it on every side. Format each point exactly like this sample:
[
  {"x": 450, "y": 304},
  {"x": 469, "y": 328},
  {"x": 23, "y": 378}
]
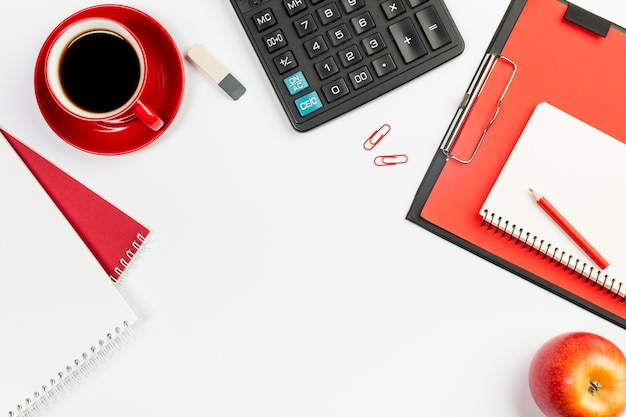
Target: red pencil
[{"x": 569, "y": 230}]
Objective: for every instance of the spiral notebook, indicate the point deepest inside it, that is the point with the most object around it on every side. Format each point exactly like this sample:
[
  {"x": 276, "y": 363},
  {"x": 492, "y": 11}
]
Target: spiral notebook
[
  {"x": 59, "y": 312},
  {"x": 113, "y": 236},
  {"x": 577, "y": 167}
]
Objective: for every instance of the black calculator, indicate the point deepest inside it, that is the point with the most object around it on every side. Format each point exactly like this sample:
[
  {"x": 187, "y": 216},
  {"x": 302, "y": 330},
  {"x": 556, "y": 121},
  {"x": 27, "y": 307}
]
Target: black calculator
[{"x": 325, "y": 58}]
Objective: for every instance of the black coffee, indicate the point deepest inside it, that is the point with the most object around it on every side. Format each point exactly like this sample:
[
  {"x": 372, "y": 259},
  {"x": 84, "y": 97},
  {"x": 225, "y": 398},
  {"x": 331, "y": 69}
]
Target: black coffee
[{"x": 99, "y": 71}]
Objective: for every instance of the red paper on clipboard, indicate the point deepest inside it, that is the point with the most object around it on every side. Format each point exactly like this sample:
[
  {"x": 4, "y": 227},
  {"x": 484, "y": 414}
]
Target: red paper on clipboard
[{"x": 544, "y": 51}]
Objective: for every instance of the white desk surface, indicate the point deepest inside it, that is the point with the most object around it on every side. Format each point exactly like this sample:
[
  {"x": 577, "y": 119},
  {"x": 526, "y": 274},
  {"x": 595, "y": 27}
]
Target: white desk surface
[{"x": 282, "y": 278}]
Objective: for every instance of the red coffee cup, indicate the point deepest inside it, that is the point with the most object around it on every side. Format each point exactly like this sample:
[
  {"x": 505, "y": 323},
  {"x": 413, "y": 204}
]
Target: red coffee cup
[{"x": 96, "y": 71}]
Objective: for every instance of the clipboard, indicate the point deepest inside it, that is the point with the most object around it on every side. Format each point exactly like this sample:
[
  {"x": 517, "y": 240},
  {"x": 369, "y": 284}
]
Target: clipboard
[{"x": 543, "y": 51}]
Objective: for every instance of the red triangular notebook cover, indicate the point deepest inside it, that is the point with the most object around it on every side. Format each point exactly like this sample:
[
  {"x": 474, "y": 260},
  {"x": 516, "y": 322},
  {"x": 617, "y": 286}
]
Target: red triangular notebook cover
[{"x": 112, "y": 236}]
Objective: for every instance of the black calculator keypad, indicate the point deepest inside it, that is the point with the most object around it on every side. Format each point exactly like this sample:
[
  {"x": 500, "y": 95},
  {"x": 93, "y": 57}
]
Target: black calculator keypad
[{"x": 327, "y": 57}]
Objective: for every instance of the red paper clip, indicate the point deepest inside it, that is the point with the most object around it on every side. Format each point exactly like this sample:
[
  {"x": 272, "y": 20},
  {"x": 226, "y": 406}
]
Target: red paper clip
[
  {"x": 387, "y": 160},
  {"x": 376, "y": 137}
]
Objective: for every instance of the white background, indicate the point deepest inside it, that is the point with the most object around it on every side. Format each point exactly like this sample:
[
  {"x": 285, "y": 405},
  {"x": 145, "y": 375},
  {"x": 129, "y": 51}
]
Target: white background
[{"x": 282, "y": 278}]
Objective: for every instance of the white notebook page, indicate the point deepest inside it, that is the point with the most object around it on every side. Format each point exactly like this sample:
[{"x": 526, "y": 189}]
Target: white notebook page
[
  {"x": 582, "y": 172},
  {"x": 56, "y": 302}
]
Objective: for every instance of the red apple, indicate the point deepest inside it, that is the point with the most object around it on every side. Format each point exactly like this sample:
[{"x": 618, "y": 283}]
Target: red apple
[{"x": 579, "y": 374}]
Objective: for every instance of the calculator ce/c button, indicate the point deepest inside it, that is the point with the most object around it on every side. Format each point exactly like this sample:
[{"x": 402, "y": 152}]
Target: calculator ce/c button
[{"x": 308, "y": 103}]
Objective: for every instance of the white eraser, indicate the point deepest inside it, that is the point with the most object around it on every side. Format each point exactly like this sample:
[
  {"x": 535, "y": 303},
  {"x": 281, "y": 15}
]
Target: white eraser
[{"x": 200, "y": 56}]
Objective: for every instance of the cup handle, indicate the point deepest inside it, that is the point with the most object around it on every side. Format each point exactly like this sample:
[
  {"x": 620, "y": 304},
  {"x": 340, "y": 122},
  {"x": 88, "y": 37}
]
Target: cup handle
[{"x": 146, "y": 115}]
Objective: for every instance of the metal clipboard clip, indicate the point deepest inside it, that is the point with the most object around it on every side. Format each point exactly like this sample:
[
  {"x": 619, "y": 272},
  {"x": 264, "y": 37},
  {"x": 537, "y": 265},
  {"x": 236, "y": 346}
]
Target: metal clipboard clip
[{"x": 478, "y": 83}]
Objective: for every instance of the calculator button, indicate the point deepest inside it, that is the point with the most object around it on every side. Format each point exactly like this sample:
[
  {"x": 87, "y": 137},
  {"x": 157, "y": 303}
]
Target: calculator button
[
  {"x": 335, "y": 90},
  {"x": 363, "y": 23},
  {"x": 294, "y": 7},
  {"x": 393, "y": 8},
  {"x": 275, "y": 41},
  {"x": 265, "y": 19},
  {"x": 351, "y": 5},
  {"x": 315, "y": 46},
  {"x": 433, "y": 27},
  {"x": 285, "y": 62},
  {"x": 329, "y": 14},
  {"x": 305, "y": 25},
  {"x": 408, "y": 41},
  {"x": 296, "y": 83},
  {"x": 339, "y": 35},
  {"x": 350, "y": 56},
  {"x": 361, "y": 77},
  {"x": 373, "y": 44},
  {"x": 308, "y": 103},
  {"x": 384, "y": 65},
  {"x": 415, "y": 3},
  {"x": 326, "y": 68}
]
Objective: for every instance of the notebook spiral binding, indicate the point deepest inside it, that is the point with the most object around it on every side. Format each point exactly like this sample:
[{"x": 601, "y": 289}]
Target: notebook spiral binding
[
  {"x": 74, "y": 373},
  {"x": 129, "y": 255},
  {"x": 580, "y": 269}
]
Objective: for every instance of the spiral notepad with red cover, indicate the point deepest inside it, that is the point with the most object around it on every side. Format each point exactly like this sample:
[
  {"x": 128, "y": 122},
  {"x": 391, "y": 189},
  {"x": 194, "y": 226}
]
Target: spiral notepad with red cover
[
  {"x": 112, "y": 236},
  {"x": 60, "y": 315}
]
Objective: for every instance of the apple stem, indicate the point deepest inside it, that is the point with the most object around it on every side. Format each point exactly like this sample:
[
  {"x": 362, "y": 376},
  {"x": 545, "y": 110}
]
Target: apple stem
[{"x": 595, "y": 387}]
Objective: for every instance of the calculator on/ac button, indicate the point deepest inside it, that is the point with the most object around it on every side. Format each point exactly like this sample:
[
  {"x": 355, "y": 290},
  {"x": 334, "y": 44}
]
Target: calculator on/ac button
[{"x": 325, "y": 58}]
